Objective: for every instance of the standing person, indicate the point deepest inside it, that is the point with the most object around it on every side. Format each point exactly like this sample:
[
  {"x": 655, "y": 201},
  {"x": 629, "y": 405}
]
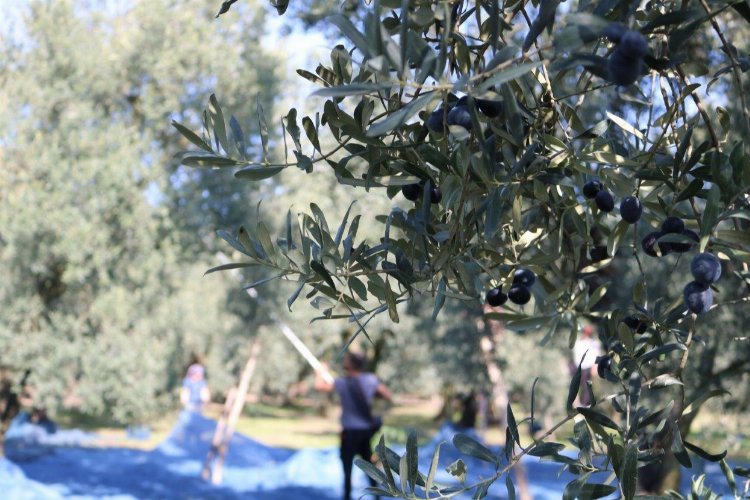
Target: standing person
[
  {"x": 195, "y": 393},
  {"x": 585, "y": 351},
  {"x": 356, "y": 390},
  {"x": 469, "y": 410}
]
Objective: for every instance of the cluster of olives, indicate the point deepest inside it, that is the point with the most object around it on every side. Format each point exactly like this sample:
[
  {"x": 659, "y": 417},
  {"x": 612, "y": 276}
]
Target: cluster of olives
[
  {"x": 594, "y": 190},
  {"x": 625, "y": 63},
  {"x": 635, "y": 323},
  {"x": 459, "y": 114},
  {"x": 630, "y": 206},
  {"x": 706, "y": 269},
  {"x": 518, "y": 293},
  {"x": 413, "y": 192},
  {"x": 671, "y": 225},
  {"x": 605, "y": 363},
  {"x": 439, "y": 121}
]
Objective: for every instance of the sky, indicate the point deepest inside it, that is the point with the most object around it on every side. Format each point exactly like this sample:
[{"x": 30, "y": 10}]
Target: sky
[
  {"x": 301, "y": 50},
  {"x": 10, "y": 20}
]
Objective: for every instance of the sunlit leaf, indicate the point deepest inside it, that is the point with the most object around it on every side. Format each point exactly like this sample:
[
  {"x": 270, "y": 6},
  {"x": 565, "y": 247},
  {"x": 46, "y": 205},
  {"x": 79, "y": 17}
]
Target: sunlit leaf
[
  {"x": 399, "y": 117},
  {"x": 457, "y": 469},
  {"x": 192, "y": 136}
]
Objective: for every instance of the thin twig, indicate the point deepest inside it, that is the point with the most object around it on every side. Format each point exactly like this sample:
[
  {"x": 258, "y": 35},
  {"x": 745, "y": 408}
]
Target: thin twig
[
  {"x": 735, "y": 65},
  {"x": 701, "y": 108}
]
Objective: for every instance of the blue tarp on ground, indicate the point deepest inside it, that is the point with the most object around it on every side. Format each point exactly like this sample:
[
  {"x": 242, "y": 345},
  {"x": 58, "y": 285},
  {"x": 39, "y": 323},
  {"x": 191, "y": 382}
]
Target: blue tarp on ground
[{"x": 63, "y": 467}]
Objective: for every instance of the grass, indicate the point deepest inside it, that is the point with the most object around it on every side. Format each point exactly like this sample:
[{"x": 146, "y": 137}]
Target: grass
[
  {"x": 288, "y": 427},
  {"x": 295, "y": 427},
  {"x": 304, "y": 427},
  {"x": 716, "y": 432}
]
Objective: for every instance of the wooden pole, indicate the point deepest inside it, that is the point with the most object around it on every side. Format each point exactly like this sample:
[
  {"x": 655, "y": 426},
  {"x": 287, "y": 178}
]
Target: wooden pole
[
  {"x": 226, "y": 425},
  {"x": 226, "y": 431},
  {"x": 218, "y": 434},
  {"x": 288, "y": 333},
  {"x": 305, "y": 352}
]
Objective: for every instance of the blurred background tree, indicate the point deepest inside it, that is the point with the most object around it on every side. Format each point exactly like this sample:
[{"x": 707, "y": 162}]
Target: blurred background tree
[{"x": 102, "y": 295}]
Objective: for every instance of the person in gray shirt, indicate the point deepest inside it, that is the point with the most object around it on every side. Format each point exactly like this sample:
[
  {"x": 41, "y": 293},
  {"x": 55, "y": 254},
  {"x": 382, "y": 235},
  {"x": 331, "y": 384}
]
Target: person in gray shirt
[{"x": 356, "y": 391}]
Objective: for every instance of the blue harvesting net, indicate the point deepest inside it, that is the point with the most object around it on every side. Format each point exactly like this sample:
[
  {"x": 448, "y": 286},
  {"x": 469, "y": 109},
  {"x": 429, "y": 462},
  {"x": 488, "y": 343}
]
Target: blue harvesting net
[{"x": 64, "y": 464}]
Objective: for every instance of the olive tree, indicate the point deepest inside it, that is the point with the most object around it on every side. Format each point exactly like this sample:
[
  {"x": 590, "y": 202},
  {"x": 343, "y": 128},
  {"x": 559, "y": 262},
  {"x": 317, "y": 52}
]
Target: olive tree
[
  {"x": 506, "y": 134},
  {"x": 100, "y": 284}
]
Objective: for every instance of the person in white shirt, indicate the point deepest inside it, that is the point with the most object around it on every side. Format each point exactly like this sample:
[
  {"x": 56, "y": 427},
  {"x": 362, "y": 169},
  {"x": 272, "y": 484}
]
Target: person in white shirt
[{"x": 585, "y": 351}]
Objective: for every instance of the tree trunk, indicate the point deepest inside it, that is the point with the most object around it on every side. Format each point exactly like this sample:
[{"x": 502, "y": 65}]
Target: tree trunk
[
  {"x": 491, "y": 334},
  {"x": 298, "y": 387},
  {"x": 9, "y": 408}
]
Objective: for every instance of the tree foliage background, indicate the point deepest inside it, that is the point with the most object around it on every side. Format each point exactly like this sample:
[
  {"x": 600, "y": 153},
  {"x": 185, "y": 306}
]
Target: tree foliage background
[{"x": 102, "y": 295}]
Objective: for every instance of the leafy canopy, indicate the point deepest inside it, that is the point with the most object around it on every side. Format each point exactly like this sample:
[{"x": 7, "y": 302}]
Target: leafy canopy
[{"x": 489, "y": 118}]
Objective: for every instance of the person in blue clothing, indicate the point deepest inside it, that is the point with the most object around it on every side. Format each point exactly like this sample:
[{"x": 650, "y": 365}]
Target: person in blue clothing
[
  {"x": 195, "y": 393},
  {"x": 356, "y": 391}
]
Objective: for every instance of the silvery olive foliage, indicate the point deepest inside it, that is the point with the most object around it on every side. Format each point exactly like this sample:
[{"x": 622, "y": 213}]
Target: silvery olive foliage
[
  {"x": 513, "y": 130},
  {"x": 102, "y": 297}
]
